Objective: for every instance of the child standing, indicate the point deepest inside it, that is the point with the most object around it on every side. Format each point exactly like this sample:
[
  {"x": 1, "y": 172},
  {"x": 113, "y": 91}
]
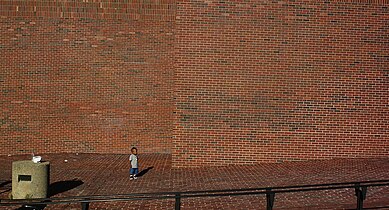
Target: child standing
[{"x": 134, "y": 163}]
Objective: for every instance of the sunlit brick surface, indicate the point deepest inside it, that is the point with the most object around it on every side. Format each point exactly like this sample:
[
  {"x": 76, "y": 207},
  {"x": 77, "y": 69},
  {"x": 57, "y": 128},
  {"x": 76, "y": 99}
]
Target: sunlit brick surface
[
  {"x": 108, "y": 174},
  {"x": 268, "y": 81},
  {"x": 211, "y": 82},
  {"x": 86, "y": 76}
]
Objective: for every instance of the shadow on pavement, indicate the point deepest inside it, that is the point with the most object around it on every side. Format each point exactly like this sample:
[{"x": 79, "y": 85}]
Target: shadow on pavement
[
  {"x": 4, "y": 183},
  {"x": 63, "y": 186},
  {"x": 5, "y": 186},
  {"x": 31, "y": 207},
  {"x": 143, "y": 172},
  {"x": 378, "y": 207}
]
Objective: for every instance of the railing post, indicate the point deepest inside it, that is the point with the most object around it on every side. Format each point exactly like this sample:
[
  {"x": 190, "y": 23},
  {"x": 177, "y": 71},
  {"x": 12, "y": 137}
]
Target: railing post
[
  {"x": 269, "y": 199},
  {"x": 360, "y": 192},
  {"x": 178, "y": 201},
  {"x": 84, "y": 205}
]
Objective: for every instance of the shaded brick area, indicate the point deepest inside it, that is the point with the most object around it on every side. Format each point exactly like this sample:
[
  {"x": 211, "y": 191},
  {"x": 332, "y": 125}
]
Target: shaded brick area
[{"x": 108, "y": 174}]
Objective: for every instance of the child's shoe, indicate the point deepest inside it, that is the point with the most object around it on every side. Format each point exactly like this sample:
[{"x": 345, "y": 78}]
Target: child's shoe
[
  {"x": 131, "y": 177},
  {"x": 135, "y": 177}
]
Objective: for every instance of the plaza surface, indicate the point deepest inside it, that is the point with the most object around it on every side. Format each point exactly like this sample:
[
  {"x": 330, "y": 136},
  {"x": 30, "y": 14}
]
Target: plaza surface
[{"x": 107, "y": 174}]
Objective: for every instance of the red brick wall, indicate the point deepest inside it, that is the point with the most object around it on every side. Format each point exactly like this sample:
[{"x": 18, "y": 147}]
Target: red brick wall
[
  {"x": 90, "y": 76},
  {"x": 270, "y": 81},
  {"x": 248, "y": 81}
]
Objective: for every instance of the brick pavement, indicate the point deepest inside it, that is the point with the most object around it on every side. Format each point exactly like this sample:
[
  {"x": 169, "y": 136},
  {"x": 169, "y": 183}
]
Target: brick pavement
[{"x": 94, "y": 174}]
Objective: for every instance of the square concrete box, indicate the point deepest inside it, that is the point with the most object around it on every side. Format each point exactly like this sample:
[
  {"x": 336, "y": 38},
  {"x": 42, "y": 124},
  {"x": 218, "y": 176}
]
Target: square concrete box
[{"x": 30, "y": 180}]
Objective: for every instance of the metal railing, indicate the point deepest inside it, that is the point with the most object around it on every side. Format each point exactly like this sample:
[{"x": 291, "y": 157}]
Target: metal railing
[{"x": 270, "y": 192}]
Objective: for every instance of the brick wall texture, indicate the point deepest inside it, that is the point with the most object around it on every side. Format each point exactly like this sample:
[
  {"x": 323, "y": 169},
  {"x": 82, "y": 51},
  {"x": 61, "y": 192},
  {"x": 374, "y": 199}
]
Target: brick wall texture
[
  {"x": 269, "y": 81},
  {"x": 86, "y": 76},
  {"x": 211, "y": 82}
]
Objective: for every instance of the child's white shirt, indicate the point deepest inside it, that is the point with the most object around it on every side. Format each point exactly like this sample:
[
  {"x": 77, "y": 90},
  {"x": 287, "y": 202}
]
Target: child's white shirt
[{"x": 134, "y": 161}]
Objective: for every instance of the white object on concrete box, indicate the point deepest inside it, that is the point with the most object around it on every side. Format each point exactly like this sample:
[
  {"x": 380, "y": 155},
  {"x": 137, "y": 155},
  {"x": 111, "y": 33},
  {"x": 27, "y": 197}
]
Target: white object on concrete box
[{"x": 36, "y": 159}]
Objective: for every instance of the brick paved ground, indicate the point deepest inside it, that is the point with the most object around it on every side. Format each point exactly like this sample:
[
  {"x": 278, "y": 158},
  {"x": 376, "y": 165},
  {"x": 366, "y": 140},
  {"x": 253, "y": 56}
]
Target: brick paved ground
[{"x": 92, "y": 174}]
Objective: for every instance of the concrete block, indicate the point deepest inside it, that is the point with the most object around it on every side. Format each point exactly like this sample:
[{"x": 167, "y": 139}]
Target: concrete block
[{"x": 30, "y": 180}]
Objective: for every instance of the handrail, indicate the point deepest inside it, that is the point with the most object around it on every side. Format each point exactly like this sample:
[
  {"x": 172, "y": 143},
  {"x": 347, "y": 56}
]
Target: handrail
[{"x": 360, "y": 192}]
